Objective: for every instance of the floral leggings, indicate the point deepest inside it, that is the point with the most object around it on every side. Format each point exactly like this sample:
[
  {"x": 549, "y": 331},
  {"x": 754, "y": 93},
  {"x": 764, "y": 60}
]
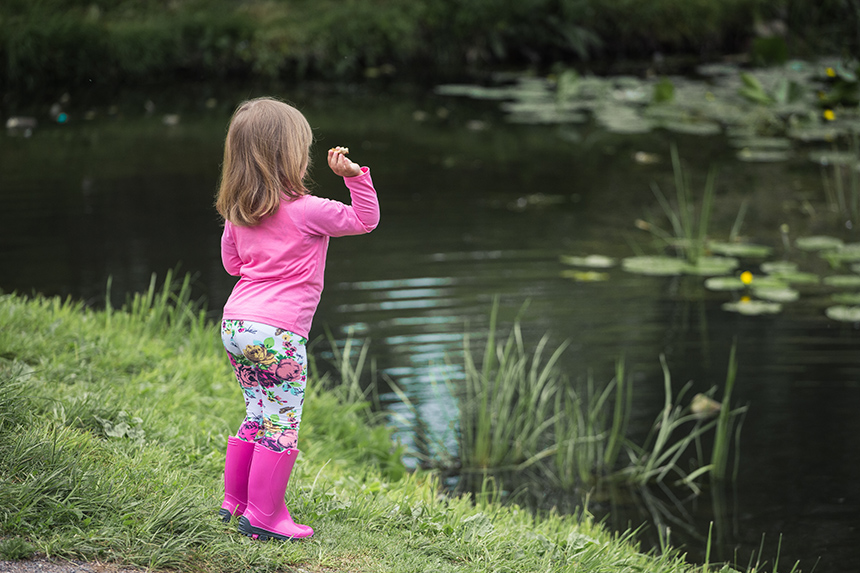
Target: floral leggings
[{"x": 271, "y": 366}]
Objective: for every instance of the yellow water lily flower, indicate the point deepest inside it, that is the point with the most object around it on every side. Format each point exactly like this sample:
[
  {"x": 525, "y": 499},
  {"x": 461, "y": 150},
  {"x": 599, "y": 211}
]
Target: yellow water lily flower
[
  {"x": 746, "y": 277},
  {"x": 829, "y": 115},
  {"x": 831, "y": 73}
]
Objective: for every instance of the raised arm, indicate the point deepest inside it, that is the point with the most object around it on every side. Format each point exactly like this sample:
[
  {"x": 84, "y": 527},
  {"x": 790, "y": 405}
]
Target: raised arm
[{"x": 335, "y": 219}]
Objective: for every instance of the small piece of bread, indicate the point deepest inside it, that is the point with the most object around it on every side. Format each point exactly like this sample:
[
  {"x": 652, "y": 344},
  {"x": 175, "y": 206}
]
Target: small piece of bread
[{"x": 338, "y": 149}]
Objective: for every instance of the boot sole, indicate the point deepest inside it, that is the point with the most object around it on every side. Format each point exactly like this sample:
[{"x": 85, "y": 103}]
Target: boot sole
[
  {"x": 245, "y": 528},
  {"x": 225, "y": 515}
]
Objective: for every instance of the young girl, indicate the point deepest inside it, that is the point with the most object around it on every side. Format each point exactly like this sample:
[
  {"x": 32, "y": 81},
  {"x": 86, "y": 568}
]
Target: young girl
[{"x": 275, "y": 239}]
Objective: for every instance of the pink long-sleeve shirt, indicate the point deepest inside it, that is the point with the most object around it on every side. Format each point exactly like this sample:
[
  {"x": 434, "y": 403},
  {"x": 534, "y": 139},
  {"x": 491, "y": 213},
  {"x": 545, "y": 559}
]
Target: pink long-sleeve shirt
[{"x": 281, "y": 260}]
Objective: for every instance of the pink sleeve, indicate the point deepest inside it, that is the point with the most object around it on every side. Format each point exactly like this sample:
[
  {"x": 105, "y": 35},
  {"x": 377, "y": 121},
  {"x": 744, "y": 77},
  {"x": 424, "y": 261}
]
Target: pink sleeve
[
  {"x": 229, "y": 254},
  {"x": 335, "y": 219}
]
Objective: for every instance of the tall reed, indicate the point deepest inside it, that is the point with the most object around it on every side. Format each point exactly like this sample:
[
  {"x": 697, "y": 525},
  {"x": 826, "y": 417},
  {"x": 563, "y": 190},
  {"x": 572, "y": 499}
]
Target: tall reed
[
  {"x": 720, "y": 454},
  {"x": 518, "y": 410},
  {"x": 589, "y": 437},
  {"x": 690, "y": 232},
  {"x": 843, "y": 197},
  {"x": 507, "y": 403}
]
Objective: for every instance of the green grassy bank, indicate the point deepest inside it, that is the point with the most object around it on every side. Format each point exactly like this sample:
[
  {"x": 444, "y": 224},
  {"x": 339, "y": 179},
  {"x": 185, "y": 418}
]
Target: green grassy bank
[
  {"x": 71, "y": 43},
  {"x": 112, "y": 432}
]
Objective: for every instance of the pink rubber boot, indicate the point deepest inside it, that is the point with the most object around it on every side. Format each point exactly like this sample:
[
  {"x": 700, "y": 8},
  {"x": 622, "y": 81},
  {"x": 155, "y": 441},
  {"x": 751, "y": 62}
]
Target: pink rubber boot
[
  {"x": 236, "y": 467},
  {"x": 267, "y": 516}
]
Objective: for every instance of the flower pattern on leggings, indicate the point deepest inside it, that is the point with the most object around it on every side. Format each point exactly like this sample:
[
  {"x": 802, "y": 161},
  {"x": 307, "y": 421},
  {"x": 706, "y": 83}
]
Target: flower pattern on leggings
[{"x": 270, "y": 365}]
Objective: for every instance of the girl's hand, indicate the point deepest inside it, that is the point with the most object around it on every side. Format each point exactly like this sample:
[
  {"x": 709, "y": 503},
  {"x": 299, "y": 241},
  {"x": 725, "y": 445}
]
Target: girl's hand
[{"x": 340, "y": 164}]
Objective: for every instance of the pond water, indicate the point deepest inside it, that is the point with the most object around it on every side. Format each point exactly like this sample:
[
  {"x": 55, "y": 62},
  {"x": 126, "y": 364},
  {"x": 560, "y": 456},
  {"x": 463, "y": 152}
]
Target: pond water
[{"x": 474, "y": 207}]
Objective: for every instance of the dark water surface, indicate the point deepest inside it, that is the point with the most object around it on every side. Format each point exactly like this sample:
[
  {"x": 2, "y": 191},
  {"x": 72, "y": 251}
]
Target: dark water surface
[{"x": 124, "y": 195}]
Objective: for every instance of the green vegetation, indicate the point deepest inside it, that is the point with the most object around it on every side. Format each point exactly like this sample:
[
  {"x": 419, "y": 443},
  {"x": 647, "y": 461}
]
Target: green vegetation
[
  {"x": 112, "y": 431},
  {"x": 690, "y": 234},
  {"x": 69, "y": 43},
  {"x": 518, "y": 411}
]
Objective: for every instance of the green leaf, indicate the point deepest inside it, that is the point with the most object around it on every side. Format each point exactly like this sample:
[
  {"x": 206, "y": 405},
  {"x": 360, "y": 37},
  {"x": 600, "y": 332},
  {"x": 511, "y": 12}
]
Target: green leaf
[
  {"x": 753, "y": 90},
  {"x": 779, "y": 267},
  {"x": 656, "y": 266},
  {"x": 724, "y": 283},
  {"x": 843, "y": 281},
  {"x": 591, "y": 261},
  {"x": 753, "y": 307},
  {"x": 706, "y": 266},
  {"x": 847, "y": 298},
  {"x": 269, "y": 342},
  {"x": 739, "y": 249},
  {"x": 844, "y": 313},
  {"x": 775, "y": 294},
  {"x": 664, "y": 91},
  {"x": 818, "y": 243}
]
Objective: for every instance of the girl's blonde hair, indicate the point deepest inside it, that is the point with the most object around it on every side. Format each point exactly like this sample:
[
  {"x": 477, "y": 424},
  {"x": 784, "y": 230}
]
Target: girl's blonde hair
[{"x": 266, "y": 154}]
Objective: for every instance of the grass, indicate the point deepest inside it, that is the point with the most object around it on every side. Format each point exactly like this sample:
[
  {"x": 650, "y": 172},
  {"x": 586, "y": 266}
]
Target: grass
[{"x": 112, "y": 433}]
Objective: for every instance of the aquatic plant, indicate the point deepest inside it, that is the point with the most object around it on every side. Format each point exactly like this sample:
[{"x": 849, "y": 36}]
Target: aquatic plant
[
  {"x": 840, "y": 178},
  {"x": 519, "y": 411},
  {"x": 690, "y": 231},
  {"x": 589, "y": 435},
  {"x": 784, "y": 92},
  {"x": 507, "y": 402},
  {"x": 676, "y": 429},
  {"x": 725, "y": 421}
]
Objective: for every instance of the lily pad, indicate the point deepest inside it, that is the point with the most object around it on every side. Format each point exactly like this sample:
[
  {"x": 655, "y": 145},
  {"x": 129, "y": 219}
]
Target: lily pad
[
  {"x": 709, "y": 266},
  {"x": 773, "y": 294},
  {"x": 724, "y": 283},
  {"x": 818, "y": 243},
  {"x": 757, "y": 142},
  {"x": 622, "y": 119},
  {"x": 754, "y": 155},
  {"x": 845, "y": 254},
  {"x": 667, "y": 112},
  {"x": 847, "y": 298},
  {"x": 546, "y": 117},
  {"x": 814, "y": 133},
  {"x": 739, "y": 249},
  {"x": 718, "y": 69},
  {"x": 653, "y": 265},
  {"x": 591, "y": 261},
  {"x": 796, "y": 278},
  {"x": 843, "y": 313},
  {"x": 843, "y": 281},
  {"x": 753, "y": 307},
  {"x": 774, "y": 280},
  {"x": 834, "y": 157},
  {"x": 692, "y": 127},
  {"x": 475, "y": 92},
  {"x": 585, "y": 276},
  {"x": 779, "y": 267}
]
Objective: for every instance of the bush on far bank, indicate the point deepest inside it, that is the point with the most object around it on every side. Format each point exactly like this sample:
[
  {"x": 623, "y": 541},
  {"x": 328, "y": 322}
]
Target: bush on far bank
[{"x": 78, "y": 42}]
